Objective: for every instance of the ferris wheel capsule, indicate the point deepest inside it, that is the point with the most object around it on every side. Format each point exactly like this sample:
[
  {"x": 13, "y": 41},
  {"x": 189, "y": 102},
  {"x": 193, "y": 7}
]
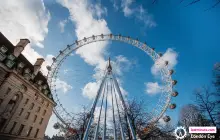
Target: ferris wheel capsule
[
  {"x": 166, "y": 63},
  {"x": 166, "y": 118},
  {"x": 174, "y": 82},
  {"x": 49, "y": 68},
  {"x": 54, "y": 59},
  {"x": 171, "y": 72},
  {"x": 172, "y": 106},
  {"x": 85, "y": 39},
  {"x": 102, "y": 35},
  {"x": 175, "y": 93},
  {"x": 56, "y": 126},
  {"x": 68, "y": 46},
  {"x": 160, "y": 54},
  {"x": 77, "y": 43},
  {"x": 110, "y": 35},
  {"x": 61, "y": 52}
]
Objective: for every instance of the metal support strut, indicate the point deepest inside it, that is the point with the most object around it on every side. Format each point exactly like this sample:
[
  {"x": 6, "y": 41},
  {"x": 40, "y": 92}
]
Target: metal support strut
[
  {"x": 104, "y": 89},
  {"x": 124, "y": 107},
  {"x": 85, "y": 137},
  {"x": 97, "y": 127}
]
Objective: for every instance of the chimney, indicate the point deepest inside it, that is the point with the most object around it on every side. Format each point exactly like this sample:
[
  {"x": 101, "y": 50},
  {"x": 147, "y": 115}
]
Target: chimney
[
  {"x": 37, "y": 65},
  {"x": 20, "y": 46}
]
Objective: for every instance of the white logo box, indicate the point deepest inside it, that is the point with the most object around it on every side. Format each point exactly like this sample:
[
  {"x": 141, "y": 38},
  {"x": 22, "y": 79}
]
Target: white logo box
[{"x": 202, "y": 129}]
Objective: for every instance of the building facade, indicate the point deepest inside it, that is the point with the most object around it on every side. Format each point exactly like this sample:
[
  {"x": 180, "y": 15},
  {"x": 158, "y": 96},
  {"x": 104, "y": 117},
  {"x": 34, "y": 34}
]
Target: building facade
[{"x": 26, "y": 102}]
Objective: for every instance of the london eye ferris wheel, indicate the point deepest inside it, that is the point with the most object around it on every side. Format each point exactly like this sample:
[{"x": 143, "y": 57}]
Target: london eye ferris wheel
[{"x": 109, "y": 85}]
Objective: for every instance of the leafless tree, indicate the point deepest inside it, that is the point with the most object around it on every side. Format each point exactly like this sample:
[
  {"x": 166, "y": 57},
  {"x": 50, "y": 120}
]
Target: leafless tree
[
  {"x": 190, "y": 115},
  {"x": 216, "y": 81},
  {"x": 160, "y": 132},
  {"x": 192, "y": 2},
  {"x": 216, "y": 94},
  {"x": 206, "y": 103},
  {"x": 139, "y": 120},
  {"x": 80, "y": 122},
  {"x": 137, "y": 114}
]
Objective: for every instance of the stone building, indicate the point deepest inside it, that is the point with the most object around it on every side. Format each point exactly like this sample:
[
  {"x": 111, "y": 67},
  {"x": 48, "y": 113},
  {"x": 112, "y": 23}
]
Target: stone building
[{"x": 25, "y": 100}]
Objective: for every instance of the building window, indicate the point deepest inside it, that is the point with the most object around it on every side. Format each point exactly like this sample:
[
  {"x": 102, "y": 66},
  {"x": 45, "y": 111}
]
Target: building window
[
  {"x": 8, "y": 90},
  {"x": 1, "y": 100},
  {"x": 35, "y": 118},
  {"x": 13, "y": 126},
  {"x": 47, "y": 104},
  {"x": 29, "y": 131},
  {"x": 11, "y": 104},
  {"x": 20, "y": 129},
  {"x": 22, "y": 109},
  {"x": 32, "y": 106},
  {"x": 3, "y": 49},
  {"x": 42, "y": 100},
  {"x": 9, "y": 63},
  {"x": 27, "y": 115},
  {"x": 38, "y": 109},
  {"x": 41, "y": 120},
  {"x": 2, "y": 56},
  {"x": 35, "y": 136},
  {"x": 36, "y": 97},
  {"x": 2, "y": 122},
  {"x": 44, "y": 112},
  {"x": 26, "y": 101}
]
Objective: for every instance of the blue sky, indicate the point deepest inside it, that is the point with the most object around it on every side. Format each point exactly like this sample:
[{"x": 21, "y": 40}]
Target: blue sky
[{"x": 191, "y": 33}]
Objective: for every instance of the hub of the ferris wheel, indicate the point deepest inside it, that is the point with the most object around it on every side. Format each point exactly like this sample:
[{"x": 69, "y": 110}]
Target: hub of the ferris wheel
[{"x": 109, "y": 68}]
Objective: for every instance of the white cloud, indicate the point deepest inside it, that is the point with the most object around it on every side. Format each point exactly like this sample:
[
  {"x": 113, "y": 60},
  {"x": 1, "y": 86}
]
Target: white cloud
[
  {"x": 60, "y": 85},
  {"x": 147, "y": 18},
  {"x": 125, "y": 4},
  {"x": 132, "y": 9},
  {"x": 48, "y": 61},
  {"x": 90, "y": 22},
  {"x": 98, "y": 10},
  {"x": 108, "y": 116},
  {"x": 27, "y": 19},
  {"x": 170, "y": 55},
  {"x": 115, "y": 4},
  {"x": 66, "y": 71},
  {"x": 121, "y": 64},
  {"x": 152, "y": 88},
  {"x": 50, "y": 131},
  {"x": 63, "y": 86},
  {"x": 84, "y": 18},
  {"x": 62, "y": 25},
  {"x": 90, "y": 90},
  {"x": 24, "y": 19},
  {"x": 87, "y": 25}
]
